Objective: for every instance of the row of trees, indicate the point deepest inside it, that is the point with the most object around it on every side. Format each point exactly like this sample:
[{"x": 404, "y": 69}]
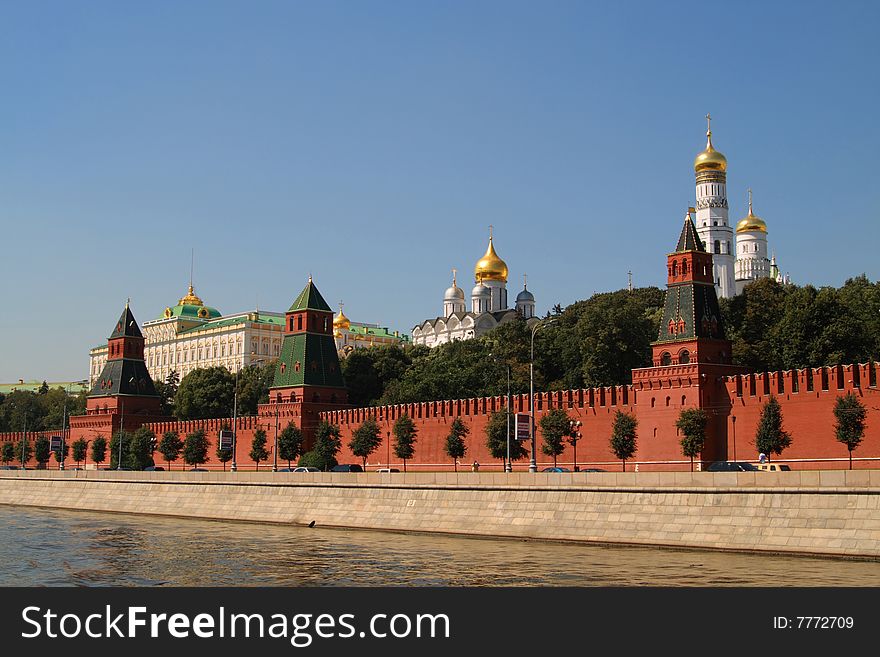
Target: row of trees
[
  {"x": 210, "y": 391},
  {"x": 42, "y": 410},
  {"x": 599, "y": 341}
]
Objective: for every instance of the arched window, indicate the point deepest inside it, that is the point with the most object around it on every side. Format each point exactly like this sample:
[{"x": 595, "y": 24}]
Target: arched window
[
  {"x": 684, "y": 268},
  {"x": 717, "y": 246},
  {"x": 684, "y": 356},
  {"x": 674, "y": 268},
  {"x": 683, "y": 400},
  {"x": 668, "y": 399},
  {"x": 666, "y": 358}
]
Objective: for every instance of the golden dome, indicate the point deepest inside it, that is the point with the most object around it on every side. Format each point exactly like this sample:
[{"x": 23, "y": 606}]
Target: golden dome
[
  {"x": 751, "y": 221},
  {"x": 490, "y": 267},
  {"x": 341, "y": 322},
  {"x": 709, "y": 159},
  {"x": 191, "y": 299}
]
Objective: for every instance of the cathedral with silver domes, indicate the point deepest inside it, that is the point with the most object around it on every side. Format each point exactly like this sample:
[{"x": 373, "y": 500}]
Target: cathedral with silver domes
[{"x": 489, "y": 305}]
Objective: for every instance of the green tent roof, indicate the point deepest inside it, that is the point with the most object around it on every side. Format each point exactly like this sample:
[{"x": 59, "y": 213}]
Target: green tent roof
[{"x": 309, "y": 299}]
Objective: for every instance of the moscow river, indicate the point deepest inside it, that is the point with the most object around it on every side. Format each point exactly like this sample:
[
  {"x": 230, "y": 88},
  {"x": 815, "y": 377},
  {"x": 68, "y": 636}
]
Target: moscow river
[{"x": 40, "y": 547}]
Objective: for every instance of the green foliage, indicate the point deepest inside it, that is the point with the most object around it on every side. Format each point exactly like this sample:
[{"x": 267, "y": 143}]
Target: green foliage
[
  {"x": 224, "y": 455},
  {"x": 42, "y": 412},
  {"x": 327, "y": 445},
  {"x": 290, "y": 443},
  {"x": 41, "y": 451},
  {"x": 139, "y": 451},
  {"x": 849, "y": 422},
  {"x": 167, "y": 391},
  {"x": 258, "y": 451},
  {"x": 312, "y": 459},
  {"x": 195, "y": 447},
  {"x": 123, "y": 436},
  {"x": 369, "y": 372},
  {"x": 61, "y": 454},
  {"x": 623, "y": 436},
  {"x": 170, "y": 447},
  {"x": 7, "y": 452},
  {"x": 80, "y": 448},
  {"x": 455, "y": 446},
  {"x": 365, "y": 440},
  {"x": 253, "y": 386},
  {"x": 24, "y": 451},
  {"x": 99, "y": 449},
  {"x": 405, "y": 432},
  {"x": 205, "y": 393},
  {"x": 771, "y": 437},
  {"x": 692, "y": 425},
  {"x": 555, "y": 426},
  {"x": 496, "y": 437}
]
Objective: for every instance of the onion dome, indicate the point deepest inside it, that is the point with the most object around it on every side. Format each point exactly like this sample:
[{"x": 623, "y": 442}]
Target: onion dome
[
  {"x": 709, "y": 159},
  {"x": 525, "y": 296},
  {"x": 490, "y": 267},
  {"x": 751, "y": 221},
  {"x": 481, "y": 291},
  {"x": 453, "y": 293},
  {"x": 341, "y": 322}
]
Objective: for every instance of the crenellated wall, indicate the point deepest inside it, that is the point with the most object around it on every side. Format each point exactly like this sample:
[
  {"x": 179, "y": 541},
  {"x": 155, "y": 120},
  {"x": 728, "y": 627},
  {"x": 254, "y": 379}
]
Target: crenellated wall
[{"x": 656, "y": 397}]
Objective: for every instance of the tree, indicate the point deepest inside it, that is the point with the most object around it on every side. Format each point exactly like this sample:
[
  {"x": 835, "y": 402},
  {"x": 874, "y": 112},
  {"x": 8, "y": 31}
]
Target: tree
[
  {"x": 623, "y": 436},
  {"x": 79, "y": 447},
  {"x": 555, "y": 426},
  {"x": 405, "y": 432},
  {"x": 253, "y": 386},
  {"x": 114, "y": 446},
  {"x": 290, "y": 443},
  {"x": 23, "y": 409},
  {"x": 140, "y": 449},
  {"x": 170, "y": 447},
  {"x": 258, "y": 448},
  {"x": 224, "y": 455},
  {"x": 195, "y": 447},
  {"x": 205, "y": 393},
  {"x": 99, "y": 450},
  {"x": 43, "y": 390},
  {"x": 849, "y": 422},
  {"x": 455, "y": 446},
  {"x": 311, "y": 460},
  {"x": 24, "y": 451},
  {"x": 41, "y": 451},
  {"x": 692, "y": 425},
  {"x": 61, "y": 454},
  {"x": 365, "y": 439},
  {"x": 167, "y": 391},
  {"x": 327, "y": 444},
  {"x": 771, "y": 437},
  {"x": 7, "y": 453},
  {"x": 496, "y": 437}
]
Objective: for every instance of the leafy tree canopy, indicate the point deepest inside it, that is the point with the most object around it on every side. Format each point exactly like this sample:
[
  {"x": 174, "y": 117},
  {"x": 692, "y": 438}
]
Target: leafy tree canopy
[{"x": 205, "y": 393}]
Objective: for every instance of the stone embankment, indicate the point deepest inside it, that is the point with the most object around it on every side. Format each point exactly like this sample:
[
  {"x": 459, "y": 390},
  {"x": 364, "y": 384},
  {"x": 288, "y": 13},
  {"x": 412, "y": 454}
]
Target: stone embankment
[{"x": 834, "y": 513}]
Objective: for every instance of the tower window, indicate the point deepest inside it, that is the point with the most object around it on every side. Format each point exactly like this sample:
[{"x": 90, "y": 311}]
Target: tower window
[{"x": 717, "y": 246}]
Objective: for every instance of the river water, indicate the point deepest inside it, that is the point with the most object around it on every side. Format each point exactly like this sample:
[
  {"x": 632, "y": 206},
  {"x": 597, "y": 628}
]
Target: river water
[{"x": 40, "y": 547}]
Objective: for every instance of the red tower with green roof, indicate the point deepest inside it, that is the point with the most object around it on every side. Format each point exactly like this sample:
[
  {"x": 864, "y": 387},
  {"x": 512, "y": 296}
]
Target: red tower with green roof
[
  {"x": 308, "y": 377},
  {"x": 123, "y": 396}
]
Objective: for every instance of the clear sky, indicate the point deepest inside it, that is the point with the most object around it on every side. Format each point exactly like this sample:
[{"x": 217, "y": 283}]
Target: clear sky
[{"x": 372, "y": 143}]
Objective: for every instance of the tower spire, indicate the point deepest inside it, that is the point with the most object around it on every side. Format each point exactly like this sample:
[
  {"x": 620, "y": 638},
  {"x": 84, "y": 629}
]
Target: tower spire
[
  {"x": 751, "y": 214},
  {"x": 490, "y": 232},
  {"x": 525, "y": 281},
  {"x": 192, "y": 263},
  {"x": 454, "y": 273}
]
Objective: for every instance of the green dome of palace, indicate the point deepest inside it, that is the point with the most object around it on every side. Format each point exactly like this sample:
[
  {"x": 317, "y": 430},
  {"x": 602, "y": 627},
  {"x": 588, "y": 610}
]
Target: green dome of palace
[{"x": 190, "y": 307}]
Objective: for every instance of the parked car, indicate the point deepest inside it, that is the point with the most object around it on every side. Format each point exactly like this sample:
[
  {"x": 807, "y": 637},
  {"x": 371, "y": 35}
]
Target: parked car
[
  {"x": 773, "y": 467},
  {"x": 592, "y": 470},
  {"x": 387, "y": 470},
  {"x": 197, "y": 470},
  {"x": 552, "y": 469},
  {"x": 154, "y": 468},
  {"x": 347, "y": 467},
  {"x": 731, "y": 466},
  {"x": 9, "y": 467},
  {"x": 303, "y": 468}
]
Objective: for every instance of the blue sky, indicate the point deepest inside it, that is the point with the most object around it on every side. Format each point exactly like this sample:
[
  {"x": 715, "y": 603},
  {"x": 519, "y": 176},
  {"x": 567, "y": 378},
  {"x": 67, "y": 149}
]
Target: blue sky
[{"x": 372, "y": 143}]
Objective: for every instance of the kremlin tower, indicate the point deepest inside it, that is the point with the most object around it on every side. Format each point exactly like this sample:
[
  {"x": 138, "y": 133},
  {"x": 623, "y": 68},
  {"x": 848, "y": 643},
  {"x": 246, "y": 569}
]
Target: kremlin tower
[{"x": 752, "y": 261}]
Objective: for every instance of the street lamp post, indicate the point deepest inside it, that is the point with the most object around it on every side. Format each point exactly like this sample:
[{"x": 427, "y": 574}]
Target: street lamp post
[
  {"x": 275, "y": 448},
  {"x": 234, "y": 466},
  {"x": 508, "y": 466},
  {"x": 23, "y": 438},
  {"x": 733, "y": 418},
  {"x": 533, "y": 461},
  {"x": 64, "y": 421},
  {"x": 574, "y": 437}
]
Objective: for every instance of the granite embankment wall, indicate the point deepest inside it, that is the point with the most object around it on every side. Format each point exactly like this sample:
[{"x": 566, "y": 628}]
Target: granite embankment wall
[{"x": 820, "y": 512}]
